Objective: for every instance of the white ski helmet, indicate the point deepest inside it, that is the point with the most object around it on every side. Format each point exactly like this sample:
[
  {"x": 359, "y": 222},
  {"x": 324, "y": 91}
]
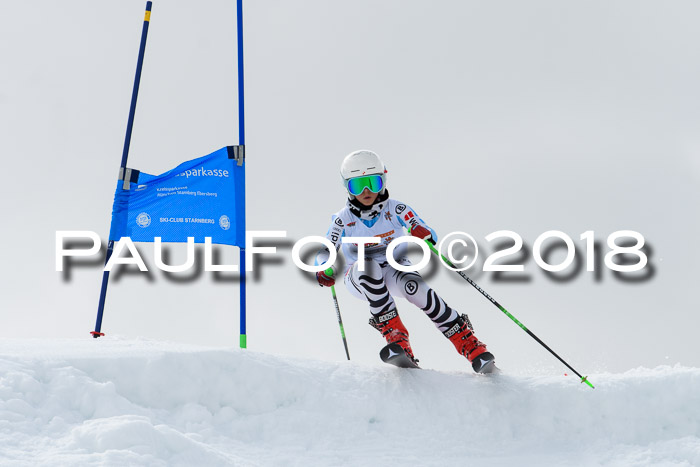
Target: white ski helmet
[{"x": 361, "y": 163}]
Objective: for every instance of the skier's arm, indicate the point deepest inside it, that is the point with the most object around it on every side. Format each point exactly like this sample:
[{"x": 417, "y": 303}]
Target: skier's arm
[
  {"x": 416, "y": 226},
  {"x": 335, "y": 234}
]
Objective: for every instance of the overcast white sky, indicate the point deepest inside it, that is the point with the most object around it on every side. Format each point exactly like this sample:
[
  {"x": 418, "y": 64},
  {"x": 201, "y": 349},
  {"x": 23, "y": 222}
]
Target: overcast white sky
[{"x": 527, "y": 116}]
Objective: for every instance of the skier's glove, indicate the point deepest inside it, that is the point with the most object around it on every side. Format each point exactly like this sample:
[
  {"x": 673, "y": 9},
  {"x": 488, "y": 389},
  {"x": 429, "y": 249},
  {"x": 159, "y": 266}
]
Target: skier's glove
[
  {"x": 324, "y": 280},
  {"x": 421, "y": 232}
]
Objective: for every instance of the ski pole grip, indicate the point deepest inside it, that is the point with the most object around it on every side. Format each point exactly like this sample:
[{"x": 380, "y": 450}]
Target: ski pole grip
[{"x": 329, "y": 272}]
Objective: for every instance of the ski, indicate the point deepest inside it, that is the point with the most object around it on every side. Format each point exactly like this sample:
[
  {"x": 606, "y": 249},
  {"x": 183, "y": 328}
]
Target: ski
[
  {"x": 395, "y": 355},
  {"x": 485, "y": 364}
]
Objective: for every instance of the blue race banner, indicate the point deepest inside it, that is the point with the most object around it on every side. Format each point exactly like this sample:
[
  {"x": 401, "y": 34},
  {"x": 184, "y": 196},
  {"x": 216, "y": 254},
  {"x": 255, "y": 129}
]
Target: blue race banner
[{"x": 204, "y": 197}]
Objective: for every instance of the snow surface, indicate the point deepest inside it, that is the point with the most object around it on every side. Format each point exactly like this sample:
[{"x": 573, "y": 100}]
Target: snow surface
[{"x": 114, "y": 401}]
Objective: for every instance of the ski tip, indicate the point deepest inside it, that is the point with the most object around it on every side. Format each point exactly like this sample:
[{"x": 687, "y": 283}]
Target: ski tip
[
  {"x": 490, "y": 369},
  {"x": 485, "y": 364},
  {"x": 395, "y": 355}
]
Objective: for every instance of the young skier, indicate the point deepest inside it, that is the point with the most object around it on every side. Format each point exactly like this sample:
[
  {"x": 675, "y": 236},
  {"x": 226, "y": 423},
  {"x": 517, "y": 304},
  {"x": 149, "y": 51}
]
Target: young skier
[{"x": 369, "y": 212}]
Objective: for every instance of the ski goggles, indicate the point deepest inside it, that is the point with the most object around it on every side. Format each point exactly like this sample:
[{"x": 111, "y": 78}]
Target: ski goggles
[{"x": 358, "y": 184}]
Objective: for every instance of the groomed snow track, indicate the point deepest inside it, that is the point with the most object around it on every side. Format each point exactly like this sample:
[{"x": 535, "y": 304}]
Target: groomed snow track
[{"x": 137, "y": 402}]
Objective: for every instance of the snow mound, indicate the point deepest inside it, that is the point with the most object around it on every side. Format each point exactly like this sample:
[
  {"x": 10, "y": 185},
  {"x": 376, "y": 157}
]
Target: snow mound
[{"x": 136, "y": 402}]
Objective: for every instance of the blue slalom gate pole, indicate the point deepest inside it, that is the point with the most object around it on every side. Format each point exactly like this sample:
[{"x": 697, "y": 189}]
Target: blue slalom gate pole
[
  {"x": 241, "y": 141},
  {"x": 125, "y": 155}
]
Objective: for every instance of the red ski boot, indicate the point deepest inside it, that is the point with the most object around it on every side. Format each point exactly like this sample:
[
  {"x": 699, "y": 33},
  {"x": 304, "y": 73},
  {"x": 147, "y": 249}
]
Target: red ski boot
[
  {"x": 391, "y": 327},
  {"x": 466, "y": 343}
]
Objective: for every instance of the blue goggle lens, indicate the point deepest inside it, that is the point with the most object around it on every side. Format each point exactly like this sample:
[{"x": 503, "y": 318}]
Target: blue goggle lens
[{"x": 357, "y": 185}]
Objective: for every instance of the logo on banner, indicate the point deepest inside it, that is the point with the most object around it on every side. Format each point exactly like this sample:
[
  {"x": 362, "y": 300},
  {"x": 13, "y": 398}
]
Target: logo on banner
[
  {"x": 224, "y": 222},
  {"x": 143, "y": 220},
  {"x": 202, "y": 172}
]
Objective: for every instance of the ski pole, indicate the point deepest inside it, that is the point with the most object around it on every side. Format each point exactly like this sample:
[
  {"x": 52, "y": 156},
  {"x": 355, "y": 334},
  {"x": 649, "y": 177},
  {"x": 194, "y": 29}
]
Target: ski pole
[
  {"x": 123, "y": 169},
  {"x": 584, "y": 379},
  {"x": 329, "y": 271}
]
